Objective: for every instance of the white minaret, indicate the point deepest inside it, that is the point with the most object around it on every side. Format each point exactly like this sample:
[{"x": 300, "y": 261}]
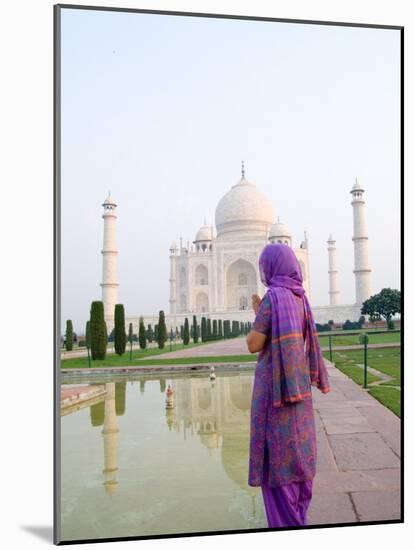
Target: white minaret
[
  {"x": 109, "y": 261},
  {"x": 173, "y": 277},
  {"x": 361, "y": 266},
  {"x": 333, "y": 273}
]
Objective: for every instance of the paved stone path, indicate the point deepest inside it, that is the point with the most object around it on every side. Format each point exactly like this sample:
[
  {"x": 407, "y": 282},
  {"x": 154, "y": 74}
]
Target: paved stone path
[
  {"x": 358, "y": 472},
  {"x": 237, "y": 346}
]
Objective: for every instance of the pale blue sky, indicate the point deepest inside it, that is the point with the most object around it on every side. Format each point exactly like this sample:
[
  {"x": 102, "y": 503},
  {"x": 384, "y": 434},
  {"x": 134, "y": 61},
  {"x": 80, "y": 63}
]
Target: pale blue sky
[{"x": 161, "y": 110}]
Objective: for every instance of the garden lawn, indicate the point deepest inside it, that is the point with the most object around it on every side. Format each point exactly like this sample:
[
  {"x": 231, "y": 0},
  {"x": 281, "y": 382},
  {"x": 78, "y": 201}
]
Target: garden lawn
[
  {"x": 386, "y": 360},
  {"x": 353, "y": 339}
]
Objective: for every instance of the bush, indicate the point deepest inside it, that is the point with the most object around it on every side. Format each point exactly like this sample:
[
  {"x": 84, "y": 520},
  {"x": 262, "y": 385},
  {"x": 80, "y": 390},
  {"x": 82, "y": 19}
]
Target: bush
[
  {"x": 194, "y": 330},
  {"x": 141, "y": 335},
  {"x": 203, "y": 329},
  {"x": 98, "y": 332},
  {"x": 390, "y": 324},
  {"x": 119, "y": 328},
  {"x": 81, "y": 343},
  {"x": 186, "y": 333},
  {"x": 69, "y": 335},
  {"x": 323, "y": 328},
  {"x": 162, "y": 330},
  {"x": 349, "y": 325}
]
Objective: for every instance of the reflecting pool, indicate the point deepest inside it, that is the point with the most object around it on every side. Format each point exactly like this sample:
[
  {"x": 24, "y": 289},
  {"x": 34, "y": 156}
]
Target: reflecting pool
[{"x": 132, "y": 467}]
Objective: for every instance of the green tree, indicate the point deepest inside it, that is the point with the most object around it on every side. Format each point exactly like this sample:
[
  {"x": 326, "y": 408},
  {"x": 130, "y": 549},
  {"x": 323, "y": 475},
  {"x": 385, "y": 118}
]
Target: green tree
[
  {"x": 162, "y": 330},
  {"x": 203, "y": 329},
  {"x": 215, "y": 327},
  {"x": 150, "y": 334},
  {"x": 130, "y": 339},
  {"x": 88, "y": 341},
  {"x": 194, "y": 330},
  {"x": 208, "y": 327},
  {"x": 120, "y": 335},
  {"x": 186, "y": 333},
  {"x": 220, "y": 328},
  {"x": 156, "y": 333},
  {"x": 386, "y": 304},
  {"x": 98, "y": 331},
  {"x": 141, "y": 334},
  {"x": 69, "y": 335}
]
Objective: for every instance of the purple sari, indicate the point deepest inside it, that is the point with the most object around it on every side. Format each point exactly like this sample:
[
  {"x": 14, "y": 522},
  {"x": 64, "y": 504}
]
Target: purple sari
[{"x": 282, "y": 430}]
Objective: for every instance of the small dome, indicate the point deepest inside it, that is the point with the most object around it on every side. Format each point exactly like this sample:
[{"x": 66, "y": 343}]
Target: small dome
[
  {"x": 205, "y": 233},
  {"x": 356, "y": 186},
  {"x": 243, "y": 208},
  {"x": 109, "y": 201},
  {"x": 279, "y": 229}
]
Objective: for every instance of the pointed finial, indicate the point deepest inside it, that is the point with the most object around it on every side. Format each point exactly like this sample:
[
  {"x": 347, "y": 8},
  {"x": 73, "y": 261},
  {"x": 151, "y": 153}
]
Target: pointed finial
[{"x": 242, "y": 170}]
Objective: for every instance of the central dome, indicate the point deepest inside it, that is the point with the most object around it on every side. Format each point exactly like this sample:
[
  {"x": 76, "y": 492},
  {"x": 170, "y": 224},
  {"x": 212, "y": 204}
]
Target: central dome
[{"x": 244, "y": 210}]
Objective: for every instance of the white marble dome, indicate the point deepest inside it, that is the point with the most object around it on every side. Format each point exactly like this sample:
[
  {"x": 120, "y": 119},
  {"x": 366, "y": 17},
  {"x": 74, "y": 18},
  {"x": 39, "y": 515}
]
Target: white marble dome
[
  {"x": 279, "y": 229},
  {"x": 244, "y": 209},
  {"x": 205, "y": 233}
]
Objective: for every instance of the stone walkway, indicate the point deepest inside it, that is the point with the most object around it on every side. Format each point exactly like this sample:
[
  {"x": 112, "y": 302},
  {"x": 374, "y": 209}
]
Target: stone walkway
[
  {"x": 237, "y": 346},
  {"x": 358, "y": 472}
]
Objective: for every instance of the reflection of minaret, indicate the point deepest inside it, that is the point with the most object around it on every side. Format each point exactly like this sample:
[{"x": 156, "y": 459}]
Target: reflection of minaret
[
  {"x": 362, "y": 270},
  {"x": 333, "y": 273},
  {"x": 110, "y": 434},
  {"x": 109, "y": 261}
]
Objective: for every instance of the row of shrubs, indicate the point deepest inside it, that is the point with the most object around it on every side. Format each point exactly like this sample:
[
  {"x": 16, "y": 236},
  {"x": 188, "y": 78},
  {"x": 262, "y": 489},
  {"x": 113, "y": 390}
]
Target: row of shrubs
[{"x": 96, "y": 337}]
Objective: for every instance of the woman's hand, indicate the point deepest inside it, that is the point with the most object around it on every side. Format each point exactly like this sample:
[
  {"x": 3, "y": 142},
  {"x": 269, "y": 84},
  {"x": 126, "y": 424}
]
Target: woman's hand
[{"x": 256, "y": 301}]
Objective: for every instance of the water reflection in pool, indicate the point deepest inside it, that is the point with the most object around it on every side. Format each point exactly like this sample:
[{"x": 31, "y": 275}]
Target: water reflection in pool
[{"x": 131, "y": 467}]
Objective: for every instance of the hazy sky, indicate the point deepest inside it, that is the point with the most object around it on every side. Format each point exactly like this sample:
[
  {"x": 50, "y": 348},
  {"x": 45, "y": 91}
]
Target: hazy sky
[{"x": 160, "y": 110}]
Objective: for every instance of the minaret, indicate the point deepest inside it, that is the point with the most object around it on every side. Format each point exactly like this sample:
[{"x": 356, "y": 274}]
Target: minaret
[
  {"x": 361, "y": 266},
  {"x": 109, "y": 261},
  {"x": 110, "y": 435},
  {"x": 333, "y": 273},
  {"x": 173, "y": 277}
]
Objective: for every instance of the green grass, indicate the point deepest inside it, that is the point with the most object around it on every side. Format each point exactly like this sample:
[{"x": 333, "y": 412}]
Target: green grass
[
  {"x": 353, "y": 339},
  {"x": 388, "y": 396},
  {"x": 386, "y": 360}
]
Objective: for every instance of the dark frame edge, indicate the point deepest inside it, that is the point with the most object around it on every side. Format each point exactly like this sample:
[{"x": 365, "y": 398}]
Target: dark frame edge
[
  {"x": 56, "y": 269},
  {"x": 230, "y": 16}
]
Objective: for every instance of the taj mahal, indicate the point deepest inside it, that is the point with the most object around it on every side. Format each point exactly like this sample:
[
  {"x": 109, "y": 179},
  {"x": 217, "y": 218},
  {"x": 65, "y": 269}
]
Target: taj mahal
[{"x": 216, "y": 275}]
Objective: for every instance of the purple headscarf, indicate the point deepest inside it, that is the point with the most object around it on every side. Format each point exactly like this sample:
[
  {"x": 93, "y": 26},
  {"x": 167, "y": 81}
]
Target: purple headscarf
[{"x": 296, "y": 357}]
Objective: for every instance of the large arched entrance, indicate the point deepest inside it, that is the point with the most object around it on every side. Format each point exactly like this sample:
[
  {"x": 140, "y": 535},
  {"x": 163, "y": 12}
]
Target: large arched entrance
[
  {"x": 241, "y": 283},
  {"x": 201, "y": 302}
]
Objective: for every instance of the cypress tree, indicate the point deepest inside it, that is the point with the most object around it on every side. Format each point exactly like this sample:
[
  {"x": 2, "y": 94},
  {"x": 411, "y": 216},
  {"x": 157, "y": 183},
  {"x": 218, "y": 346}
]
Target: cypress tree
[
  {"x": 195, "y": 330},
  {"x": 181, "y": 332},
  {"x": 150, "y": 334},
  {"x": 203, "y": 329},
  {"x": 156, "y": 333},
  {"x": 130, "y": 339},
  {"x": 88, "y": 335},
  {"x": 88, "y": 341},
  {"x": 141, "y": 336},
  {"x": 220, "y": 328},
  {"x": 208, "y": 327},
  {"x": 162, "y": 330},
  {"x": 69, "y": 335},
  {"x": 215, "y": 327},
  {"x": 186, "y": 333},
  {"x": 120, "y": 336},
  {"x": 98, "y": 331}
]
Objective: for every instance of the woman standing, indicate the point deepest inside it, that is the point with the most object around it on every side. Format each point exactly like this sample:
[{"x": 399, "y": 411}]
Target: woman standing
[{"x": 282, "y": 427}]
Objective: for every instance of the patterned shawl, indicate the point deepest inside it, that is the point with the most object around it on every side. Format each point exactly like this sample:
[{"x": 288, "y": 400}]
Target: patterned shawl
[{"x": 296, "y": 359}]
